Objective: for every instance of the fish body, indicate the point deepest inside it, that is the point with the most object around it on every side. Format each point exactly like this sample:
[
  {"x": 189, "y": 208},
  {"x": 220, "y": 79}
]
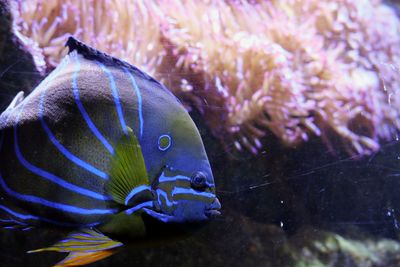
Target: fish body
[{"x": 97, "y": 145}]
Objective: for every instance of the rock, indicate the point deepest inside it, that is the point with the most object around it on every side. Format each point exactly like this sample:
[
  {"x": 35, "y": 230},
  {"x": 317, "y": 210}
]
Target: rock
[{"x": 19, "y": 70}]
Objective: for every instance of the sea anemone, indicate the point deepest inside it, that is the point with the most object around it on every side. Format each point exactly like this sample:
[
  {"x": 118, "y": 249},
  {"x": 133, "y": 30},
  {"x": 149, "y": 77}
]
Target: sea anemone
[{"x": 296, "y": 69}]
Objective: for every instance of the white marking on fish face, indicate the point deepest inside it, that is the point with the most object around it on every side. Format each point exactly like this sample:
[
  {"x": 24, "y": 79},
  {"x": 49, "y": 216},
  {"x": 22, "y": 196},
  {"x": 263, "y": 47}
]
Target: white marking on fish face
[{"x": 184, "y": 198}]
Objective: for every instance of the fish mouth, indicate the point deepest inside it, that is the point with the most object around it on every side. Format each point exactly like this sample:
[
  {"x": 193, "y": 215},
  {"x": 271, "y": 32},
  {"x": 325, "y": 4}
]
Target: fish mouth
[
  {"x": 213, "y": 210},
  {"x": 211, "y": 213}
]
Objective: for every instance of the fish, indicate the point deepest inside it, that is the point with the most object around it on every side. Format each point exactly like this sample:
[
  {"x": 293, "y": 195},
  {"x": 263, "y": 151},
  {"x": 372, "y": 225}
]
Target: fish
[{"x": 104, "y": 150}]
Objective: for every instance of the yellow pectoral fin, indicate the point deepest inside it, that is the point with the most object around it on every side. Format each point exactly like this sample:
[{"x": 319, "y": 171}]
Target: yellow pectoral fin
[
  {"x": 128, "y": 183},
  {"x": 83, "y": 258}
]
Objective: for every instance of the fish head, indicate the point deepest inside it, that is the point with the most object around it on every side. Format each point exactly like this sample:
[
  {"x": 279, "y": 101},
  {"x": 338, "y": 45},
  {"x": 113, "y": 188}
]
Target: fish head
[
  {"x": 181, "y": 177},
  {"x": 184, "y": 197}
]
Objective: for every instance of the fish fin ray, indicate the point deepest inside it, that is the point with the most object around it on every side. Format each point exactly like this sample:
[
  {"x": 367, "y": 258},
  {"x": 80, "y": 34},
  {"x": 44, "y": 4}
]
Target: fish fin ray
[
  {"x": 17, "y": 99},
  {"x": 83, "y": 258},
  {"x": 128, "y": 183},
  {"x": 86, "y": 240},
  {"x": 91, "y": 53}
]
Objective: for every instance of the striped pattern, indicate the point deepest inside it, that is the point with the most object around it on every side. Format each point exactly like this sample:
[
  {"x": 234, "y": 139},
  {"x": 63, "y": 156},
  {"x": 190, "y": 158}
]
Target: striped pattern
[
  {"x": 58, "y": 147},
  {"x": 116, "y": 97},
  {"x": 135, "y": 191},
  {"x": 148, "y": 204},
  {"x": 29, "y": 219},
  {"x": 54, "y": 140},
  {"x": 83, "y": 111},
  {"x": 169, "y": 190},
  {"x": 51, "y": 204},
  {"x": 173, "y": 193},
  {"x": 139, "y": 101},
  {"x": 87, "y": 240},
  {"x": 45, "y": 206}
]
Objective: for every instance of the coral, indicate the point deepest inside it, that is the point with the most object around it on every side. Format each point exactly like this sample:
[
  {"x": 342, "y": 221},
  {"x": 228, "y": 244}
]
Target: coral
[
  {"x": 297, "y": 69},
  {"x": 116, "y": 27},
  {"x": 312, "y": 247}
]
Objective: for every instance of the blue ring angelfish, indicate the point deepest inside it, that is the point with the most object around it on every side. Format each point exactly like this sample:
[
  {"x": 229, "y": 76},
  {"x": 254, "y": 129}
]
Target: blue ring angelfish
[{"x": 88, "y": 168}]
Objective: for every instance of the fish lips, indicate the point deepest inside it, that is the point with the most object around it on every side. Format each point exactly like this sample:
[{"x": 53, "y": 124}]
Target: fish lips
[{"x": 213, "y": 210}]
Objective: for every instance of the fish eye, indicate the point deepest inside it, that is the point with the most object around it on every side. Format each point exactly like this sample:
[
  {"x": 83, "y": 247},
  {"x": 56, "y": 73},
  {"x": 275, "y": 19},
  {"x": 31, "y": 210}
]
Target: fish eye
[
  {"x": 199, "y": 181},
  {"x": 164, "y": 142}
]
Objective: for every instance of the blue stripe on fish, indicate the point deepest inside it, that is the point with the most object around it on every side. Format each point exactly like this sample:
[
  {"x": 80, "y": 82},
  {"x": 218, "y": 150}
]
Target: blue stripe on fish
[
  {"x": 135, "y": 191},
  {"x": 139, "y": 100},
  {"x": 49, "y": 176},
  {"x": 184, "y": 191},
  {"x": 160, "y": 216},
  {"x": 54, "y": 205},
  {"x": 148, "y": 204},
  {"x": 18, "y": 215},
  {"x": 85, "y": 115},
  {"x": 168, "y": 179},
  {"x": 171, "y": 179},
  {"x": 37, "y": 218},
  {"x": 116, "y": 97},
  {"x": 62, "y": 149},
  {"x": 12, "y": 221},
  {"x": 53, "y": 178},
  {"x": 162, "y": 193}
]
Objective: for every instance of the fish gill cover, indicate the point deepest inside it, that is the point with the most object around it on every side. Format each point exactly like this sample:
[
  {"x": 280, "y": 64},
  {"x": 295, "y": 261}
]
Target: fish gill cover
[{"x": 293, "y": 69}]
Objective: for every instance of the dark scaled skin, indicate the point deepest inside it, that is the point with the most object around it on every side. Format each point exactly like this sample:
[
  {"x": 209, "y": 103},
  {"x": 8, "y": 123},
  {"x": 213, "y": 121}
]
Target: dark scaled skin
[{"x": 55, "y": 154}]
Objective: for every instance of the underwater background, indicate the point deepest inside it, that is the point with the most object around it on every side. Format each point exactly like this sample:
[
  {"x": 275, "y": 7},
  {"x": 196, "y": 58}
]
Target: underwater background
[{"x": 297, "y": 102}]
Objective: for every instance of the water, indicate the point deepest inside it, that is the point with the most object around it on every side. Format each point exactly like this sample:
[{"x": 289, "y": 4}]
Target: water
[{"x": 307, "y": 205}]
